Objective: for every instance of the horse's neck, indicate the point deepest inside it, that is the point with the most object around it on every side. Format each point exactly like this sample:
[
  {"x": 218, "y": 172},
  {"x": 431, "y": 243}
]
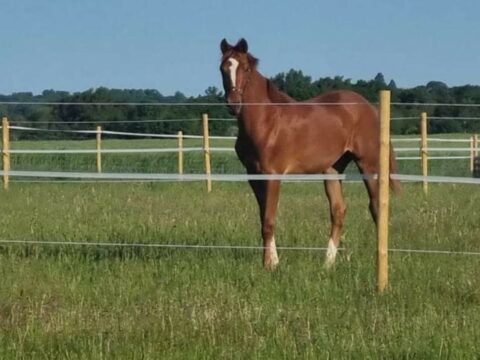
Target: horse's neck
[
  {"x": 277, "y": 96},
  {"x": 257, "y": 121},
  {"x": 263, "y": 90}
]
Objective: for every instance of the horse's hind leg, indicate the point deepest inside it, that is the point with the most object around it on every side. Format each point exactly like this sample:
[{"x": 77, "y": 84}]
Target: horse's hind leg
[
  {"x": 333, "y": 189},
  {"x": 367, "y": 167}
]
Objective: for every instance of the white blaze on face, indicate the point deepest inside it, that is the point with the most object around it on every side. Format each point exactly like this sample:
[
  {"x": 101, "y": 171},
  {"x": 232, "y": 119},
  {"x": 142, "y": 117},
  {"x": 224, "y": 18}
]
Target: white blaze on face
[{"x": 233, "y": 71}]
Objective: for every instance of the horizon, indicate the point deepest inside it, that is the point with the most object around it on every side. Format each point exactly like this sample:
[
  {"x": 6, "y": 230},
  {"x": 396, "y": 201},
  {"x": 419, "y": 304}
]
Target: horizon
[{"x": 40, "y": 93}]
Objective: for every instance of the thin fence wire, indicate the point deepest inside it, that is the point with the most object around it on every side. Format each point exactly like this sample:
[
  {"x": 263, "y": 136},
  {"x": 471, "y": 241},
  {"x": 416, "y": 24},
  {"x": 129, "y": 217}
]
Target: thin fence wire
[
  {"x": 433, "y": 157},
  {"x": 216, "y": 247},
  {"x": 395, "y": 118},
  {"x": 448, "y": 140},
  {"x": 405, "y": 139},
  {"x": 27, "y": 128},
  {"x": 122, "y": 133},
  {"x": 118, "y": 151},
  {"x": 54, "y": 103},
  {"x": 106, "y": 151},
  {"x": 453, "y": 118},
  {"x": 433, "y": 149},
  {"x": 414, "y": 104},
  {"x": 398, "y": 118},
  {"x": 190, "y": 149},
  {"x": 120, "y": 121},
  {"x": 190, "y": 104},
  {"x": 182, "y": 177},
  {"x": 234, "y": 177},
  {"x": 156, "y": 245}
]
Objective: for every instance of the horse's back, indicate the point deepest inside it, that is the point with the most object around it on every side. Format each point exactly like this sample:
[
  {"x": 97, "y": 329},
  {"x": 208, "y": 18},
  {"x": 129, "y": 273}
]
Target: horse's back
[
  {"x": 349, "y": 106},
  {"x": 339, "y": 96},
  {"x": 355, "y": 102},
  {"x": 357, "y": 116}
]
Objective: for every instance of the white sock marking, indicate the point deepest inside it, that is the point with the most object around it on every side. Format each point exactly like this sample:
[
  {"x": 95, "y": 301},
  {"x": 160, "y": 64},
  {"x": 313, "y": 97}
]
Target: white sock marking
[
  {"x": 273, "y": 252},
  {"x": 331, "y": 253}
]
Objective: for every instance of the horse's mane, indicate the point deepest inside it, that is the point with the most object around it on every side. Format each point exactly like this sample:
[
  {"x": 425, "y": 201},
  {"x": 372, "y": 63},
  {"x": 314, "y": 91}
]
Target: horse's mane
[{"x": 277, "y": 96}]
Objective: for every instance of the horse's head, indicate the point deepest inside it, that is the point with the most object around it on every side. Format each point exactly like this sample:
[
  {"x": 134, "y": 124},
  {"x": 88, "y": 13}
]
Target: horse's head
[{"x": 236, "y": 67}]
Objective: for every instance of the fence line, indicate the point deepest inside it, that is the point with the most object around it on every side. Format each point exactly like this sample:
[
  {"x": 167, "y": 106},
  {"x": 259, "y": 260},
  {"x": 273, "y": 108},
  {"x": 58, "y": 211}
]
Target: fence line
[
  {"x": 429, "y": 139},
  {"x": 116, "y": 151},
  {"x": 234, "y": 177},
  {"x": 448, "y": 140},
  {"x": 454, "y": 118},
  {"x": 118, "y": 121},
  {"x": 122, "y": 133},
  {"x": 174, "y": 136},
  {"x": 434, "y": 104},
  {"x": 404, "y": 118},
  {"x": 433, "y": 149},
  {"x": 404, "y": 139},
  {"x": 433, "y": 157},
  {"x": 201, "y": 104},
  {"x": 423, "y": 148},
  {"x": 462, "y": 118},
  {"x": 192, "y": 104},
  {"x": 105, "y": 151},
  {"x": 26, "y": 128},
  {"x": 185, "y": 177},
  {"x": 436, "y": 179},
  {"x": 216, "y": 247}
]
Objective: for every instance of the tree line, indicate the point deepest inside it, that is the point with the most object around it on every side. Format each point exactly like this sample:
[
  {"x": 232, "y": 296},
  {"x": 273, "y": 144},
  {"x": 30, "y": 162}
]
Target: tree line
[{"x": 293, "y": 82}]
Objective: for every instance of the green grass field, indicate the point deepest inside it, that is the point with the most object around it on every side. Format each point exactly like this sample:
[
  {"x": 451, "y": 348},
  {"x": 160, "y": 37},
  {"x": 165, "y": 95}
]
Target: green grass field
[{"x": 90, "y": 302}]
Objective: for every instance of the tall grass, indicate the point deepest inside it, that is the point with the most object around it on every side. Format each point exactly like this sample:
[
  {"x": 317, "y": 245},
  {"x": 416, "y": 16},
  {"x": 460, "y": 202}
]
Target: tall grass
[
  {"x": 91, "y": 302},
  {"x": 79, "y": 302}
]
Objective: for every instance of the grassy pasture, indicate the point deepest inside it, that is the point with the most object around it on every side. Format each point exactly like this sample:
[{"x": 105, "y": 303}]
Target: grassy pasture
[{"x": 79, "y": 302}]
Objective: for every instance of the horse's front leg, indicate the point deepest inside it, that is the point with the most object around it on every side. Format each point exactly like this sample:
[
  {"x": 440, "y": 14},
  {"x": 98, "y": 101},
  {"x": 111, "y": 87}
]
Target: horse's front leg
[{"x": 267, "y": 193}]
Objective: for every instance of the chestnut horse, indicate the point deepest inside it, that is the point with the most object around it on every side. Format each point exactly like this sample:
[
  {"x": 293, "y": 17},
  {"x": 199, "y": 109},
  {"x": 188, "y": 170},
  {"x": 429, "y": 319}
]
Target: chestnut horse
[{"x": 319, "y": 136}]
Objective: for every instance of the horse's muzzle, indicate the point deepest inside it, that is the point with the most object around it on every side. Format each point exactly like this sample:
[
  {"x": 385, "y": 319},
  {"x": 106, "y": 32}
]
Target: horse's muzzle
[
  {"x": 234, "y": 101},
  {"x": 235, "y": 108}
]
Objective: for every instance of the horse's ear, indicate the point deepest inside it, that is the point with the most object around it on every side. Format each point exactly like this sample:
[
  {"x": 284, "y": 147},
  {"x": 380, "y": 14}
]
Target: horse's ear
[
  {"x": 242, "y": 46},
  {"x": 225, "y": 46}
]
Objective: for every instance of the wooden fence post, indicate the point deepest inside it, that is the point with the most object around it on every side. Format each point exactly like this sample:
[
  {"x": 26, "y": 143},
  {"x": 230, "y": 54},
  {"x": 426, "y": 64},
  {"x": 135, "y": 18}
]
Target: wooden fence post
[
  {"x": 472, "y": 153},
  {"x": 99, "y": 149},
  {"x": 206, "y": 149},
  {"x": 424, "y": 151},
  {"x": 180, "y": 152},
  {"x": 383, "y": 190},
  {"x": 5, "y": 151},
  {"x": 475, "y": 139},
  {"x": 475, "y": 152}
]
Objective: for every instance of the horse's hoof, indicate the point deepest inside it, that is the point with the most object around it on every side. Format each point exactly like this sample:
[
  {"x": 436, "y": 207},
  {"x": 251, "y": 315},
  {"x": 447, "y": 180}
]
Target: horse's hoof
[
  {"x": 270, "y": 259},
  {"x": 270, "y": 264},
  {"x": 328, "y": 264}
]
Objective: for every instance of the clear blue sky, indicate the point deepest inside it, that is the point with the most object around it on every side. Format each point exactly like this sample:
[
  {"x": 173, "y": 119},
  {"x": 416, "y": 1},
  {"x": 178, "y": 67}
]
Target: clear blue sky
[{"x": 173, "y": 45}]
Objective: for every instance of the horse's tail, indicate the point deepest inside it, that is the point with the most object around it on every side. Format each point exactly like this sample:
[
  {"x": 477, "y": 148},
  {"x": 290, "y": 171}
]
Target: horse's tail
[{"x": 395, "y": 184}]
